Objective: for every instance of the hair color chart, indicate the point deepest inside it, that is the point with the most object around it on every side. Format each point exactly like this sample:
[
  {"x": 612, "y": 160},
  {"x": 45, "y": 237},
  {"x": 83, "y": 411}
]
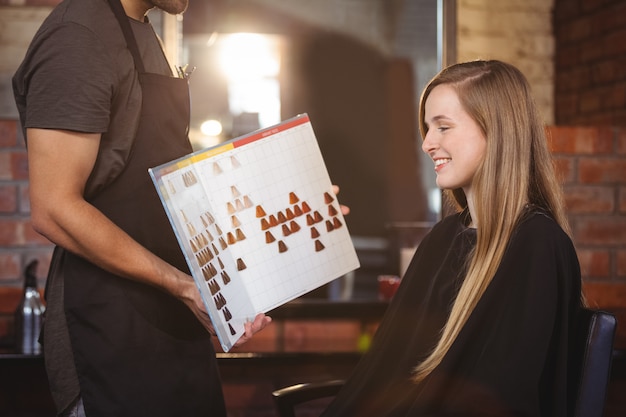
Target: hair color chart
[{"x": 257, "y": 221}]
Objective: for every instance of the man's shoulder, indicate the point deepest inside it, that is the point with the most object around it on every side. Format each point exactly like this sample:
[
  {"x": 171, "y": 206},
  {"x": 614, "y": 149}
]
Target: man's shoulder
[{"x": 94, "y": 16}]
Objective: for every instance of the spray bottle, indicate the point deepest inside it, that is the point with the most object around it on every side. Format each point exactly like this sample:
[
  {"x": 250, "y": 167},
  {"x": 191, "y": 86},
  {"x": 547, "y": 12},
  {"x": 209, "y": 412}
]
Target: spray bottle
[{"x": 29, "y": 314}]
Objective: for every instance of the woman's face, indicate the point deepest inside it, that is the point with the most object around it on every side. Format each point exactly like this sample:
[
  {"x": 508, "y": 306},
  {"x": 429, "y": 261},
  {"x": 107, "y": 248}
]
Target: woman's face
[{"x": 453, "y": 141}]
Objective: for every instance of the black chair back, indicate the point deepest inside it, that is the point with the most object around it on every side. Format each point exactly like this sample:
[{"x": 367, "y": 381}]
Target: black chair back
[
  {"x": 286, "y": 399},
  {"x": 591, "y": 361}
]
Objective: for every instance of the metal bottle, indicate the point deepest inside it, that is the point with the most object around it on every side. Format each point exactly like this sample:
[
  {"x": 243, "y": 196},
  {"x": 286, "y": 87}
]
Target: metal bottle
[{"x": 29, "y": 314}]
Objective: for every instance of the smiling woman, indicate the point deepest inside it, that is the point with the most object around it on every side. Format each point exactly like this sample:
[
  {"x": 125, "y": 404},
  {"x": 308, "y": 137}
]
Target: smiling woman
[
  {"x": 479, "y": 325},
  {"x": 454, "y": 141}
]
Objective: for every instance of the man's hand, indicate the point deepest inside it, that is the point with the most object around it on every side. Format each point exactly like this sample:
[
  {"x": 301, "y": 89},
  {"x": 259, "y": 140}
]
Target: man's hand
[
  {"x": 189, "y": 294},
  {"x": 191, "y": 297}
]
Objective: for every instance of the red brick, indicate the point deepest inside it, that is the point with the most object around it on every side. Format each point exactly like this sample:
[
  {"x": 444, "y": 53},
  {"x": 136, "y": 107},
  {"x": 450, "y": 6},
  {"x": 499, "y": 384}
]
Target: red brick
[
  {"x": 580, "y": 140},
  {"x": 566, "y": 10},
  {"x": 19, "y": 233},
  {"x": 8, "y": 232},
  {"x": 10, "y": 266},
  {"x": 8, "y": 198},
  {"x": 589, "y": 199},
  {"x": 614, "y": 44},
  {"x": 9, "y": 299},
  {"x": 566, "y": 106},
  {"x": 250, "y": 395},
  {"x": 605, "y": 231},
  {"x": 31, "y": 237},
  {"x": 6, "y": 326},
  {"x": 602, "y": 170},
  {"x": 616, "y": 96},
  {"x": 621, "y": 263},
  {"x": 568, "y": 56},
  {"x": 574, "y": 30},
  {"x": 24, "y": 198},
  {"x": 590, "y": 51},
  {"x": 8, "y": 133},
  {"x": 619, "y": 116},
  {"x": 565, "y": 170},
  {"x": 609, "y": 296},
  {"x": 605, "y": 295},
  {"x": 5, "y": 165},
  {"x": 622, "y": 199},
  {"x": 590, "y": 101},
  {"x": 595, "y": 263},
  {"x": 574, "y": 79},
  {"x": 21, "y": 144},
  {"x": 602, "y": 118},
  {"x": 610, "y": 18},
  {"x": 19, "y": 165},
  {"x": 590, "y": 6},
  {"x": 322, "y": 336},
  {"x": 621, "y": 141}
]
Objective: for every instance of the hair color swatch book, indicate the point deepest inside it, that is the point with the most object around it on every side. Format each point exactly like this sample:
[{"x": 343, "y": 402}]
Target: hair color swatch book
[{"x": 257, "y": 221}]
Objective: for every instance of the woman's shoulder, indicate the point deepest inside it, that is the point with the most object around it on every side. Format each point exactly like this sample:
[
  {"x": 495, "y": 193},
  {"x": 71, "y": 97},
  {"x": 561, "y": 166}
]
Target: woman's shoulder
[
  {"x": 538, "y": 230},
  {"x": 538, "y": 221},
  {"x": 451, "y": 222},
  {"x": 448, "y": 226}
]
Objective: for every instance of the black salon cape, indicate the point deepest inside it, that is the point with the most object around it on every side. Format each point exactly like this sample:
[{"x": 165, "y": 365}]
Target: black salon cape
[{"x": 510, "y": 359}]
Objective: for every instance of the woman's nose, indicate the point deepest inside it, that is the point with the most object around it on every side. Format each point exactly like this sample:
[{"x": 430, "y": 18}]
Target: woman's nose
[{"x": 428, "y": 144}]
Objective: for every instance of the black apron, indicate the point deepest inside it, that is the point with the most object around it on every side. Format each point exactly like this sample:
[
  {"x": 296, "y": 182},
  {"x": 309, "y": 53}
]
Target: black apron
[{"x": 139, "y": 351}]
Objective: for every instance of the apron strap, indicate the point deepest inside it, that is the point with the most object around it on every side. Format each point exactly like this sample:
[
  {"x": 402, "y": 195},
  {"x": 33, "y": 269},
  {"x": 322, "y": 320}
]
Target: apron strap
[{"x": 131, "y": 42}]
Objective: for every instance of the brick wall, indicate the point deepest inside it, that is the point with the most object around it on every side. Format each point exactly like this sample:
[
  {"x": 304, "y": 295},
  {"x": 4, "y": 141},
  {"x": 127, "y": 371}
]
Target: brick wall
[
  {"x": 592, "y": 164},
  {"x": 580, "y": 45},
  {"x": 19, "y": 243},
  {"x": 515, "y": 31},
  {"x": 590, "y": 62}
]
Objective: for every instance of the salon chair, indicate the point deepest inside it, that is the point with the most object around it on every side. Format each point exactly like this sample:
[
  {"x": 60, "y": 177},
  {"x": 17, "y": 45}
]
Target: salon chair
[
  {"x": 591, "y": 362},
  {"x": 590, "y": 367}
]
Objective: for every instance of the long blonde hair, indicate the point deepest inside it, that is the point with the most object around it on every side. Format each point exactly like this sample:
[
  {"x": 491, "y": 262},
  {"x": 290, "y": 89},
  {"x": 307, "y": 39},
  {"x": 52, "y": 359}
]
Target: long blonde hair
[{"x": 517, "y": 170}]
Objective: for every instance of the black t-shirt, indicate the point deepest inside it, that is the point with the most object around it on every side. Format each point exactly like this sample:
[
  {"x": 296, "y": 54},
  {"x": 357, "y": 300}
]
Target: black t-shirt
[
  {"x": 511, "y": 356},
  {"x": 78, "y": 75}
]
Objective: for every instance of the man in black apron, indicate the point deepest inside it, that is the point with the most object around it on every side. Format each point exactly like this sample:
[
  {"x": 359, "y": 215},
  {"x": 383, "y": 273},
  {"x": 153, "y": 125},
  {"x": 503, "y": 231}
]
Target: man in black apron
[{"x": 126, "y": 333}]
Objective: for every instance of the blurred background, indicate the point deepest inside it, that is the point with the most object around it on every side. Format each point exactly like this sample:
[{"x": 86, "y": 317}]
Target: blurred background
[{"x": 357, "y": 67}]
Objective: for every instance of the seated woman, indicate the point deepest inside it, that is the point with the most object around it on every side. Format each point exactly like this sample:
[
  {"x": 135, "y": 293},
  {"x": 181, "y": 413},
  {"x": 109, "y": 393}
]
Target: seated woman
[{"x": 480, "y": 323}]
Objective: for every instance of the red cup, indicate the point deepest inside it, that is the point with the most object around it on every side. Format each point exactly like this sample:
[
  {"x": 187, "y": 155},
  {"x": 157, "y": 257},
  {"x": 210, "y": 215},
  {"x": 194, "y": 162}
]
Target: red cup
[{"x": 387, "y": 286}]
